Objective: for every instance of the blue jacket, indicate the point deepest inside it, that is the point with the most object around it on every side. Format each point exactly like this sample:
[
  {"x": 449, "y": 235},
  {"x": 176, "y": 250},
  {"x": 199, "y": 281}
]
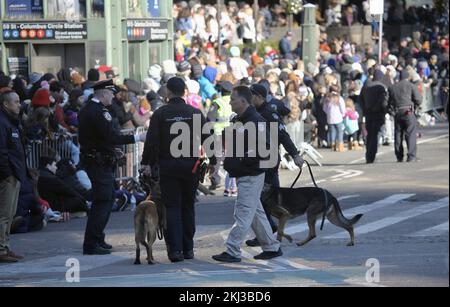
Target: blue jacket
[
  {"x": 12, "y": 150},
  {"x": 285, "y": 46},
  {"x": 207, "y": 89}
]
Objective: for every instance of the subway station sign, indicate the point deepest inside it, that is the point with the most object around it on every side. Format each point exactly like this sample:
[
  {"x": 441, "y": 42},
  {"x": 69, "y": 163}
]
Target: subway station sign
[
  {"x": 147, "y": 29},
  {"x": 45, "y": 31}
]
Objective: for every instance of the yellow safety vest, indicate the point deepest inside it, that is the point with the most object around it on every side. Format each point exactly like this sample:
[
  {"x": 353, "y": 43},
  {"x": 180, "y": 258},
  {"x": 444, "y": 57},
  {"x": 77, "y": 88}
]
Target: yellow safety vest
[{"x": 224, "y": 113}]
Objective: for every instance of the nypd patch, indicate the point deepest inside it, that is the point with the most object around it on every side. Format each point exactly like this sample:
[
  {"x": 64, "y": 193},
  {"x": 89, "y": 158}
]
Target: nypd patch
[{"x": 107, "y": 116}]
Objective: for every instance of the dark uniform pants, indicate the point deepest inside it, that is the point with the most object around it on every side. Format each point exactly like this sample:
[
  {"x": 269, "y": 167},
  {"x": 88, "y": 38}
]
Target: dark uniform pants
[
  {"x": 273, "y": 178},
  {"x": 374, "y": 124},
  {"x": 102, "y": 179},
  {"x": 405, "y": 128},
  {"x": 178, "y": 194}
]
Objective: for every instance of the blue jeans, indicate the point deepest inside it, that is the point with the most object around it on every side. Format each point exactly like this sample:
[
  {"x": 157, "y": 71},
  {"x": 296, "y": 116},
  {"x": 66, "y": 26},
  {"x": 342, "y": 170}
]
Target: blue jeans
[{"x": 337, "y": 133}]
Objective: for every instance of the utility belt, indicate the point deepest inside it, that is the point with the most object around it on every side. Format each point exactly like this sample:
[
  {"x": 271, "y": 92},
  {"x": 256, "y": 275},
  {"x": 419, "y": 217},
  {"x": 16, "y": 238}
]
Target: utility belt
[
  {"x": 405, "y": 110},
  {"x": 103, "y": 159}
]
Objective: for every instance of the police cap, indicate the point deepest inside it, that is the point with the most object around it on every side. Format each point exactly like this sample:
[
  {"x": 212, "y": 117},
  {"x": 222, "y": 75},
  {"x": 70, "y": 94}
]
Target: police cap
[
  {"x": 104, "y": 85},
  {"x": 259, "y": 90}
]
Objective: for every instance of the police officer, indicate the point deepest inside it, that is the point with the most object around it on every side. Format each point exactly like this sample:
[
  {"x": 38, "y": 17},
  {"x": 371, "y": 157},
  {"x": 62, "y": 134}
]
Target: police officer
[
  {"x": 13, "y": 169},
  {"x": 276, "y": 104},
  {"x": 98, "y": 139},
  {"x": 259, "y": 101},
  {"x": 178, "y": 177},
  {"x": 220, "y": 114},
  {"x": 374, "y": 102},
  {"x": 404, "y": 99}
]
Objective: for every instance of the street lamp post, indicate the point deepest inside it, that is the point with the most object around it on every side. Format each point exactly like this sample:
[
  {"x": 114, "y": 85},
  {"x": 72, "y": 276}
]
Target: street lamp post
[
  {"x": 377, "y": 9},
  {"x": 219, "y": 20}
]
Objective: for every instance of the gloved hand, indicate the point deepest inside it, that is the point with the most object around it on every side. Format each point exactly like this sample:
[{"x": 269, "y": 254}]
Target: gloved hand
[
  {"x": 146, "y": 170},
  {"x": 142, "y": 137},
  {"x": 299, "y": 161}
]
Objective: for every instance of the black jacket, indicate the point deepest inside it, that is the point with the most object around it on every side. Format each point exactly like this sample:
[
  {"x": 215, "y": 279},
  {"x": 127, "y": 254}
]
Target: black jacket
[
  {"x": 245, "y": 166},
  {"x": 374, "y": 98},
  {"x": 283, "y": 137},
  {"x": 12, "y": 151},
  {"x": 120, "y": 112},
  {"x": 58, "y": 194},
  {"x": 279, "y": 107},
  {"x": 404, "y": 94},
  {"x": 96, "y": 130},
  {"x": 159, "y": 139}
]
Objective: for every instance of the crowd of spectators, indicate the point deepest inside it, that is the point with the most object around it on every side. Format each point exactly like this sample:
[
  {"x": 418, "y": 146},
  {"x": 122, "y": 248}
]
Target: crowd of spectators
[{"x": 319, "y": 101}]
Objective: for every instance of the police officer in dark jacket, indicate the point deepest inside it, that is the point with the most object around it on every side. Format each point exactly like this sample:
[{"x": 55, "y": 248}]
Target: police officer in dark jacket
[
  {"x": 178, "y": 172},
  {"x": 276, "y": 104},
  {"x": 374, "y": 102},
  {"x": 13, "y": 169},
  {"x": 248, "y": 165},
  {"x": 262, "y": 106},
  {"x": 404, "y": 99},
  {"x": 98, "y": 140}
]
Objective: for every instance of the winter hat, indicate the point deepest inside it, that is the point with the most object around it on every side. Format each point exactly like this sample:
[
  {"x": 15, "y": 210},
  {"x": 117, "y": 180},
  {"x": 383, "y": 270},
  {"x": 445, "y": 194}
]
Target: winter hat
[
  {"x": 392, "y": 71},
  {"x": 210, "y": 73},
  {"x": 155, "y": 72},
  {"x": 197, "y": 71},
  {"x": 41, "y": 98},
  {"x": 71, "y": 118},
  {"x": 176, "y": 86},
  {"x": 35, "y": 77},
  {"x": 235, "y": 52},
  {"x": 259, "y": 90},
  {"x": 371, "y": 63},
  {"x": 170, "y": 67},
  {"x": 93, "y": 75},
  {"x": 357, "y": 67},
  {"x": 184, "y": 66},
  {"x": 193, "y": 87}
]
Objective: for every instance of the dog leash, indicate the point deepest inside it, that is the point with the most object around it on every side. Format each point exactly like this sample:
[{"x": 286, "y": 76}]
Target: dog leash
[{"x": 315, "y": 184}]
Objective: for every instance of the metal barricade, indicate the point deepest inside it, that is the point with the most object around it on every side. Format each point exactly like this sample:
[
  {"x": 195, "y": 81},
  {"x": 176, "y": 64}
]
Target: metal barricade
[
  {"x": 65, "y": 146},
  {"x": 133, "y": 156}
]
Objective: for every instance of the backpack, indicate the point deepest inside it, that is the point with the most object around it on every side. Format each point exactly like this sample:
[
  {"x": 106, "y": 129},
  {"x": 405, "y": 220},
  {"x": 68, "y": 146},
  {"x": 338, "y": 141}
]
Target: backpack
[{"x": 351, "y": 126}]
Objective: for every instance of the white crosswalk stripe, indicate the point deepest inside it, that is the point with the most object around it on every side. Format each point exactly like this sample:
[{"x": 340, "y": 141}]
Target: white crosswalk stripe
[
  {"x": 391, "y": 200},
  {"x": 400, "y": 217},
  {"x": 432, "y": 231}
]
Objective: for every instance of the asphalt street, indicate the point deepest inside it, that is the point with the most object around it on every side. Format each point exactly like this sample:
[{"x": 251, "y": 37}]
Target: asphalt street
[{"x": 402, "y": 239}]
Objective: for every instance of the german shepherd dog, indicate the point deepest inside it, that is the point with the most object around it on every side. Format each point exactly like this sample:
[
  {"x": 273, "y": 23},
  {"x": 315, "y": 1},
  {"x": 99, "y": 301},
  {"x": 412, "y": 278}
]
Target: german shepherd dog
[
  {"x": 289, "y": 203},
  {"x": 149, "y": 219}
]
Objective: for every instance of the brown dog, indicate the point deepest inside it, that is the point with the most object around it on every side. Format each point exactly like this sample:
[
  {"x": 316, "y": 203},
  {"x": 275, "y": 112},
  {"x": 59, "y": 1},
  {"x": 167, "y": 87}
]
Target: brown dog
[
  {"x": 149, "y": 219},
  {"x": 286, "y": 204},
  {"x": 146, "y": 224}
]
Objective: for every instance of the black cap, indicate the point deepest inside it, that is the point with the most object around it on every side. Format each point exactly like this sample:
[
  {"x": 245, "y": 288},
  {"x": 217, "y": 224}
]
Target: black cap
[
  {"x": 184, "y": 66},
  {"x": 259, "y": 90},
  {"x": 104, "y": 85},
  {"x": 93, "y": 75},
  {"x": 226, "y": 86},
  {"x": 176, "y": 86}
]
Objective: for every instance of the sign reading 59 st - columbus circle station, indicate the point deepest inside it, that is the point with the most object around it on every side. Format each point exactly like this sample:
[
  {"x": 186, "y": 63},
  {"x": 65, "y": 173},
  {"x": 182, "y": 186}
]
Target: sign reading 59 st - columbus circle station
[{"x": 45, "y": 31}]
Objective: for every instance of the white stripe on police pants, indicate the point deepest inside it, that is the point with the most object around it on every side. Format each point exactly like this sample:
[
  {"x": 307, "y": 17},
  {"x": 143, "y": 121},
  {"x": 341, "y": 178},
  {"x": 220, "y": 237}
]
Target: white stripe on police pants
[{"x": 249, "y": 213}]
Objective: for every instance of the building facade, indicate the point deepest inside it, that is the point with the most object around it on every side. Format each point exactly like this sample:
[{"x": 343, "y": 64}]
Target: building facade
[{"x": 47, "y": 35}]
